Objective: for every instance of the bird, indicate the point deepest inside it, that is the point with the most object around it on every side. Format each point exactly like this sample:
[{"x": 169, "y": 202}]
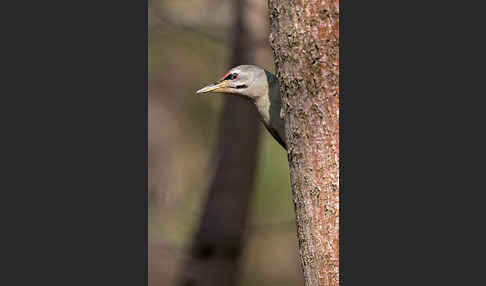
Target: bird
[{"x": 261, "y": 88}]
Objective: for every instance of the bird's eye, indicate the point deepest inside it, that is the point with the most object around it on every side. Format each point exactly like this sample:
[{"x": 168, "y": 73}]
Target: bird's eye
[{"x": 231, "y": 76}]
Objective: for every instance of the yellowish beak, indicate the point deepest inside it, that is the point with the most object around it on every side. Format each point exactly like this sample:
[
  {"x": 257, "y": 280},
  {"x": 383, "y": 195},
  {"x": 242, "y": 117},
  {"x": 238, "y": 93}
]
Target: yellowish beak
[{"x": 217, "y": 87}]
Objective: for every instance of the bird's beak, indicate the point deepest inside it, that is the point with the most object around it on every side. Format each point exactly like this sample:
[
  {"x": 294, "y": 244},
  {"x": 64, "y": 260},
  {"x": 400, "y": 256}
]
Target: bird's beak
[{"x": 216, "y": 87}]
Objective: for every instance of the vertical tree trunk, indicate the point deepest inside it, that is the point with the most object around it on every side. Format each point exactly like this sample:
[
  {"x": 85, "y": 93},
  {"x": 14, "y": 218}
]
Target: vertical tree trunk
[
  {"x": 304, "y": 36},
  {"x": 217, "y": 244}
]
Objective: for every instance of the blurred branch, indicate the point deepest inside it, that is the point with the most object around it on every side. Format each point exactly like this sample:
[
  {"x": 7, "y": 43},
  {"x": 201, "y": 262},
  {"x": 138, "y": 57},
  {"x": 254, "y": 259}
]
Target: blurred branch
[
  {"x": 218, "y": 242},
  {"x": 261, "y": 226}
]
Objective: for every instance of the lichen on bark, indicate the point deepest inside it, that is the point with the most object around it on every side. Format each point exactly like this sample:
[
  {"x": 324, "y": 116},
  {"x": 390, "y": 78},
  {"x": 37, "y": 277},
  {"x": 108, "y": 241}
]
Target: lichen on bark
[{"x": 304, "y": 37}]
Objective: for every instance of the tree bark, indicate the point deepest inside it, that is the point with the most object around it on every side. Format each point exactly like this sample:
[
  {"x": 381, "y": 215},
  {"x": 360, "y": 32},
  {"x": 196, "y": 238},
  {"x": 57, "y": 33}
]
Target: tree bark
[
  {"x": 304, "y": 36},
  {"x": 217, "y": 244}
]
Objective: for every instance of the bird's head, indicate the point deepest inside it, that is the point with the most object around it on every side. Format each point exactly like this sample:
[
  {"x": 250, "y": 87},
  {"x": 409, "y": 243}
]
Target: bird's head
[{"x": 246, "y": 80}]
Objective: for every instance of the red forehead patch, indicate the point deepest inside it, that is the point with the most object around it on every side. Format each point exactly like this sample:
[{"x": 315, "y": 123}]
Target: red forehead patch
[{"x": 228, "y": 72}]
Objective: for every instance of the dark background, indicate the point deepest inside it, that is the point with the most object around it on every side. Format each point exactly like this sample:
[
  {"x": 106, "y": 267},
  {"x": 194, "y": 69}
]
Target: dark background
[{"x": 189, "y": 48}]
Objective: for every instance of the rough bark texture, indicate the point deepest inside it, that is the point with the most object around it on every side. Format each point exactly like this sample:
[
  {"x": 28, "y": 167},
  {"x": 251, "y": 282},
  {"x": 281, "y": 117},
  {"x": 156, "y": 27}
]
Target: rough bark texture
[
  {"x": 214, "y": 256},
  {"x": 304, "y": 36}
]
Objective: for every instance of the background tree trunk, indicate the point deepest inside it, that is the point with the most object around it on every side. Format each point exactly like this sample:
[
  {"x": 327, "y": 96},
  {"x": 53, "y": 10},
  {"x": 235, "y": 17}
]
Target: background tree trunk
[
  {"x": 304, "y": 36},
  {"x": 217, "y": 244}
]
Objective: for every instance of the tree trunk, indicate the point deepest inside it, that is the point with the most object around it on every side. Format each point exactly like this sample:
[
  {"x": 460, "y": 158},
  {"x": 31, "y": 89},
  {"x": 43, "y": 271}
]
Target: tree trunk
[
  {"x": 214, "y": 256},
  {"x": 304, "y": 36}
]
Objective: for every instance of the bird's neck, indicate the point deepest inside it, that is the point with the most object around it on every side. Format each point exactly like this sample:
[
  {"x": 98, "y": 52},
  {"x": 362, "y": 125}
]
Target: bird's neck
[
  {"x": 269, "y": 104},
  {"x": 269, "y": 99}
]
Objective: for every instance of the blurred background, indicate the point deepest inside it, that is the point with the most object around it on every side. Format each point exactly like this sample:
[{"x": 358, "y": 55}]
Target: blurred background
[{"x": 190, "y": 46}]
